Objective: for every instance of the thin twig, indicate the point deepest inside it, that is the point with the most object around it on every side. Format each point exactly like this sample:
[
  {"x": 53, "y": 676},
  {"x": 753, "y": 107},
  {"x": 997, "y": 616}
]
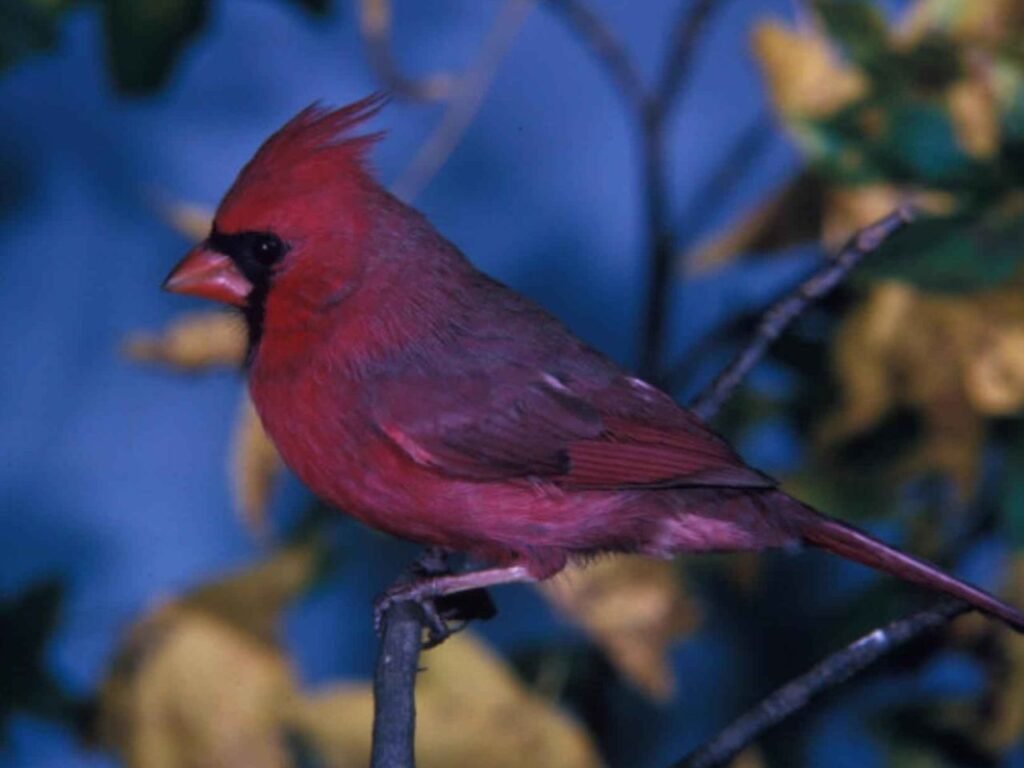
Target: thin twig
[
  {"x": 464, "y": 102},
  {"x": 835, "y": 669},
  {"x": 661, "y": 244},
  {"x": 610, "y": 53},
  {"x": 685, "y": 36},
  {"x": 782, "y": 313},
  {"x": 375, "y": 27},
  {"x": 394, "y": 681}
]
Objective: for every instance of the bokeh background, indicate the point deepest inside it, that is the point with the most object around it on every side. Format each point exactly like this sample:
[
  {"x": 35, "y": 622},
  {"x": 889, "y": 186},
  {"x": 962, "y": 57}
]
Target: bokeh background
[{"x": 170, "y": 597}]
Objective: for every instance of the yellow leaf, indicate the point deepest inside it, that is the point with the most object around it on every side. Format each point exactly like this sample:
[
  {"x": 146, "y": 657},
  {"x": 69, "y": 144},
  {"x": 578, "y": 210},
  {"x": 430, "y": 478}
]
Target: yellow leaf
[
  {"x": 201, "y": 680},
  {"x": 255, "y": 468},
  {"x": 253, "y": 599},
  {"x": 193, "y": 342},
  {"x": 188, "y": 690},
  {"x": 974, "y": 112},
  {"x": 790, "y": 215},
  {"x": 851, "y": 208},
  {"x": 471, "y": 710},
  {"x": 634, "y": 609},
  {"x": 806, "y": 77},
  {"x": 955, "y": 360},
  {"x": 192, "y": 221},
  {"x": 990, "y": 23}
]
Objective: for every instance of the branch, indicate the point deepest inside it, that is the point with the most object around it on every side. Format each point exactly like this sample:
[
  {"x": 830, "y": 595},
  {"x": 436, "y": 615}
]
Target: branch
[
  {"x": 678, "y": 63},
  {"x": 394, "y": 680},
  {"x": 464, "y": 102},
  {"x": 827, "y": 674},
  {"x": 605, "y": 46},
  {"x": 375, "y": 27},
  {"x": 780, "y": 315},
  {"x": 660, "y": 239}
]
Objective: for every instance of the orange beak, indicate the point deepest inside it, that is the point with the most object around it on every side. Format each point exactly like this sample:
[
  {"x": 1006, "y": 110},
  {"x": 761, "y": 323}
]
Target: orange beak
[{"x": 209, "y": 275}]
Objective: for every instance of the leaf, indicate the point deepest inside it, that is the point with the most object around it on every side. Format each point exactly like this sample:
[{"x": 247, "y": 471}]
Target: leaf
[
  {"x": 805, "y": 76},
  {"x": 1012, "y": 496},
  {"x": 955, "y": 360},
  {"x": 145, "y": 38},
  {"x": 858, "y": 26},
  {"x": 976, "y": 120},
  {"x": 201, "y": 680},
  {"x": 471, "y": 710},
  {"x": 1001, "y": 719},
  {"x": 27, "y": 26},
  {"x": 187, "y": 689},
  {"x": 634, "y": 609},
  {"x": 957, "y": 253},
  {"x": 255, "y": 468},
  {"x": 193, "y": 342},
  {"x": 188, "y": 219},
  {"x": 253, "y": 599},
  {"x": 786, "y": 217},
  {"x": 27, "y": 623}
]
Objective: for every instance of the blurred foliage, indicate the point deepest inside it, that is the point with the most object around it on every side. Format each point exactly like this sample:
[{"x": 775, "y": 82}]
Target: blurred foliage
[
  {"x": 203, "y": 680},
  {"x": 144, "y": 38},
  {"x": 28, "y": 621},
  {"x": 908, "y": 384}
]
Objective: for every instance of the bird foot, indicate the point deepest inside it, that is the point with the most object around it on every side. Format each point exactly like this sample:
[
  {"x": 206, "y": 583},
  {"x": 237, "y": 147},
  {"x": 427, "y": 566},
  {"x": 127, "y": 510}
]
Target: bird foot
[
  {"x": 416, "y": 592},
  {"x": 444, "y": 614}
]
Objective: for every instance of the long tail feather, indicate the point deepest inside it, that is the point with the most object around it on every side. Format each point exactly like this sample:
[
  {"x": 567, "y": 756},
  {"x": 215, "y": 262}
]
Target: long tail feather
[{"x": 844, "y": 540}]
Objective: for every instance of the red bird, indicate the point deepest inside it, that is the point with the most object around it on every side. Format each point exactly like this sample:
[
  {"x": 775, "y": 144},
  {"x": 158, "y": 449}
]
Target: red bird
[{"x": 432, "y": 402}]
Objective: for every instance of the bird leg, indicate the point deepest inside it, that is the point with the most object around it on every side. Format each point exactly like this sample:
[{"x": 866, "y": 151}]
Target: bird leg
[{"x": 426, "y": 590}]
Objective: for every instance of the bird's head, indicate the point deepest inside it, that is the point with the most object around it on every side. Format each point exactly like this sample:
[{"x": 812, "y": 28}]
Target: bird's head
[{"x": 303, "y": 195}]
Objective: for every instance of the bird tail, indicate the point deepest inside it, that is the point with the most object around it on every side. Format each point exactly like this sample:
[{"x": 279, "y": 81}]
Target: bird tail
[{"x": 846, "y": 541}]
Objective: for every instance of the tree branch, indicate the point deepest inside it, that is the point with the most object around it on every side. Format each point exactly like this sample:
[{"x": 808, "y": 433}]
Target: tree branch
[
  {"x": 780, "y": 315},
  {"x": 375, "y": 28},
  {"x": 605, "y": 46},
  {"x": 464, "y": 101},
  {"x": 835, "y": 669},
  {"x": 394, "y": 681}
]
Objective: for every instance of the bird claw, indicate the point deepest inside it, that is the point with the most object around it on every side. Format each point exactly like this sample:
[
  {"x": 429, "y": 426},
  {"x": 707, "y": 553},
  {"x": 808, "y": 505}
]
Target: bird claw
[{"x": 437, "y": 628}]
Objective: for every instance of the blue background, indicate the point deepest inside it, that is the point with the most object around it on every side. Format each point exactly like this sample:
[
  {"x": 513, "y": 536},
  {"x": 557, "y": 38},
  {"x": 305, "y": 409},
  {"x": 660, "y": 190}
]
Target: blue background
[{"x": 112, "y": 476}]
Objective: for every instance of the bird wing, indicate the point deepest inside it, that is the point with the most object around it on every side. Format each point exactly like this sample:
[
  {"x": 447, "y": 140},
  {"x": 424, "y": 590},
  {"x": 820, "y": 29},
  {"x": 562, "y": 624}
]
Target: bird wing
[{"x": 514, "y": 422}]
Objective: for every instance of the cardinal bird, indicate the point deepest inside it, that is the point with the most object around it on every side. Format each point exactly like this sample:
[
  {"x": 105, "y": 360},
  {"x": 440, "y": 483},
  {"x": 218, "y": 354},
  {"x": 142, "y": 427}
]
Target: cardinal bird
[{"x": 430, "y": 401}]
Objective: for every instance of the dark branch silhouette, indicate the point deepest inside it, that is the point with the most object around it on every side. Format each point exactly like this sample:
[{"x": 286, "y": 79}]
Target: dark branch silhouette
[
  {"x": 394, "y": 682},
  {"x": 782, "y": 313},
  {"x": 835, "y": 669}
]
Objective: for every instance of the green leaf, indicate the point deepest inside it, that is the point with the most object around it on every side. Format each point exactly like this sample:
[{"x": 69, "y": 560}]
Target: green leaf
[
  {"x": 956, "y": 254},
  {"x": 1013, "y": 489},
  {"x": 860, "y": 29},
  {"x": 27, "y": 26},
  {"x": 145, "y": 37}
]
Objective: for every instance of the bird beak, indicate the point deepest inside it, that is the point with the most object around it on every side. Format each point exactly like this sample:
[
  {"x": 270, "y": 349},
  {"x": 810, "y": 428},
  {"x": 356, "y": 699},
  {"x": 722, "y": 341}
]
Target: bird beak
[{"x": 209, "y": 275}]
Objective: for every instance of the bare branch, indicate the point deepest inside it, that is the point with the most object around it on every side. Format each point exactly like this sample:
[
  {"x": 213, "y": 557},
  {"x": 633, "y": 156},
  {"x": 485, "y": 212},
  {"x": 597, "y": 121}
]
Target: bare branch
[
  {"x": 678, "y": 63},
  {"x": 375, "y": 26},
  {"x": 464, "y": 102},
  {"x": 611, "y": 54},
  {"x": 835, "y": 669},
  {"x": 780, "y": 315},
  {"x": 394, "y": 681}
]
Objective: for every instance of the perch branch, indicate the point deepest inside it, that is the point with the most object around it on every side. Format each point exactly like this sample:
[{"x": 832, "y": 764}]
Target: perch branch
[
  {"x": 394, "y": 680},
  {"x": 780, "y": 315},
  {"x": 827, "y": 674}
]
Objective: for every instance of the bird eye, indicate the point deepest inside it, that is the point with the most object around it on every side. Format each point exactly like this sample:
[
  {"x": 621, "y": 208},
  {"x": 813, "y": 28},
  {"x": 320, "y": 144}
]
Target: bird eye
[{"x": 268, "y": 248}]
